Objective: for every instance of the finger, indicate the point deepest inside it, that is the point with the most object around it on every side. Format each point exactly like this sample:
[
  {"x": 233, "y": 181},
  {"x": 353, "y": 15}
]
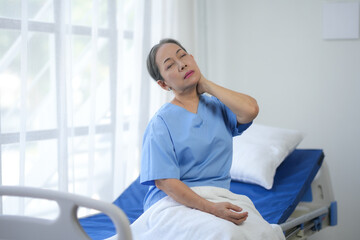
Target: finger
[
  {"x": 240, "y": 221},
  {"x": 235, "y": 207},
  {"x": 237, "y": 215},
  {"x": 237, "y": 221}
]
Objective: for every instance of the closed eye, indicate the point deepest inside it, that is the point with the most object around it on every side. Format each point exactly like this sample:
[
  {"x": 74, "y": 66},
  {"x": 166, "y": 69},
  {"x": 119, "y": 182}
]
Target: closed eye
[{"x": 168, "y": 67}]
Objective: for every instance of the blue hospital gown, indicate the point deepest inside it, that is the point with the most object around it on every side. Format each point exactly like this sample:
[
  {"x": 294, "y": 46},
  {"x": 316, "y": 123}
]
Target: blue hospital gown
[{"x": 194, "y": 148}]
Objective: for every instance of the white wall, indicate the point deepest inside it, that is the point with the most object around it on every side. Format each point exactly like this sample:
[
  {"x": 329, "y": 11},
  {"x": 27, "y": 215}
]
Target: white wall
[{"x": 274, "y": 51}]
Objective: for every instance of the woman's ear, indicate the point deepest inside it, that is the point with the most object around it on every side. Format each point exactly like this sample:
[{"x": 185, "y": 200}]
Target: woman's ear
[{"x": 163, "y": 85}]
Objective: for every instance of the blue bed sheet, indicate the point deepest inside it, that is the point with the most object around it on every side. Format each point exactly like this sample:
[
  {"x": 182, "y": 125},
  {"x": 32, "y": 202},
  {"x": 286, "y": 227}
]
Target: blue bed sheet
[
  {"x": 292, "y": 180},
  {"x": 100, "y": 226}
]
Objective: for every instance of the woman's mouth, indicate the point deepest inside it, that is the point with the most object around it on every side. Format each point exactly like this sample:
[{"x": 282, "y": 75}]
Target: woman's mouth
[{"x": 188, "y": 74}]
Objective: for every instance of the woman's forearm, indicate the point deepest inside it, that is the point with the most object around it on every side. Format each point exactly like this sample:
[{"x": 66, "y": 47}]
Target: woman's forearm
[
  {"x": 181, "y": 193},
  {"x": 244, "y": 106}
]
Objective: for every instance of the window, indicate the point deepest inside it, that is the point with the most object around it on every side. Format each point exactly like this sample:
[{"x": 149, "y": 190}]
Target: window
[{"x": 58, "y": 89}]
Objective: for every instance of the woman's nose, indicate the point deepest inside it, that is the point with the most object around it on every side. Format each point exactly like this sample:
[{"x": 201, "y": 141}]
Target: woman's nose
[{"x": 182, "y": 66}]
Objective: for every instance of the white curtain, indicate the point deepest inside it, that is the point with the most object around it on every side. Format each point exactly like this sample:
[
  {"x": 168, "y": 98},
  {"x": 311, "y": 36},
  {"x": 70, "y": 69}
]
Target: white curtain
[
  {"x": 154, "y": 20},
  {"x": 59, "y": 81},
  {"x": 75, "y": 95}
]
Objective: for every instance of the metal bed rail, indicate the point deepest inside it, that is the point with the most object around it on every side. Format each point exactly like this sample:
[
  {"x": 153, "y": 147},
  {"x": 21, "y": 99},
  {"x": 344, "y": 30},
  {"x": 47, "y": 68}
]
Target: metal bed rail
[{"x": 310, "y": 222}]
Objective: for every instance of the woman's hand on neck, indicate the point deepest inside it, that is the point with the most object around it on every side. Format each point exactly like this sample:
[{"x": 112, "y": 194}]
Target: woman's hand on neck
[
  {"x": 202, "y": 85},
  {"x": 190, "y": 99}
]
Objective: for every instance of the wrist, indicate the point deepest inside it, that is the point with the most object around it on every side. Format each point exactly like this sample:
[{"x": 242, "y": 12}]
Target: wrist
[
  {"x": 208, "y": 207},
  {"x": 204, "y": 85},
  {"x": 209, "y": 87}
]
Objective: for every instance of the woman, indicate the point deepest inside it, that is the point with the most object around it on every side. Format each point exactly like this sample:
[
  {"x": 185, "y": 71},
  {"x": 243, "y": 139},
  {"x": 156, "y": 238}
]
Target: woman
[{"x": 187, "y": 154}]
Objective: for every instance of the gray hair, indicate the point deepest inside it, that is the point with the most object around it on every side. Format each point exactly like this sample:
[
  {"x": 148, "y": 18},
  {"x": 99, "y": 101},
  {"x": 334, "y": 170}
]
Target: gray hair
[{"x": 152, "y": 67}]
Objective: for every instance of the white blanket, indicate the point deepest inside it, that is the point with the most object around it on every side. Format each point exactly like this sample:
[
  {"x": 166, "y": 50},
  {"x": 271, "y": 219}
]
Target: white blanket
[{"x": 170, "y": 220}]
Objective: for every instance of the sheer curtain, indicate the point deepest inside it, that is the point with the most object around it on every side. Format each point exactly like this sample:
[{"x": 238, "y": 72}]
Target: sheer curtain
[
  {"x": 184, "y": 20},
  {"x": 59, "y": 84},
  {"x": 75, "y": 95}
]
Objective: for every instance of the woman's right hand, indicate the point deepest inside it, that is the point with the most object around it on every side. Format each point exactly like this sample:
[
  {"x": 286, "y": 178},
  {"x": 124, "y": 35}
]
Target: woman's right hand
[{"x": 229, "y": 212}]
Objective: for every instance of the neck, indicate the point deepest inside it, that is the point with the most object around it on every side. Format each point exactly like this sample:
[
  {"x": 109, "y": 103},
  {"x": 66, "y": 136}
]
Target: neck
[{"x": 188, "y": 101}]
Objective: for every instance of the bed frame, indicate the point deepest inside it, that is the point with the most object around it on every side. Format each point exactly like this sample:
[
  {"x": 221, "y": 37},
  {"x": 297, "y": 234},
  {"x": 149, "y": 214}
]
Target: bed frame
[
  {"x": 301, "y": 219},
  {"x": 66, "y": 225},
  {"x": 317, "y": 210}
]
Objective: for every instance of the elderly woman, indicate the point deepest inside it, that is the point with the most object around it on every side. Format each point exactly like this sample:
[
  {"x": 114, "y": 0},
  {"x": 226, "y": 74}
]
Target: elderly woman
[{"x": 187, "y": 154}]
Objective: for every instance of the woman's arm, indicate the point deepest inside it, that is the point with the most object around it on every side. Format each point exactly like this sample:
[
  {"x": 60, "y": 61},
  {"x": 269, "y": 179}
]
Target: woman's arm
[
  {"x": 244, "y": 106},
  {"x": 181, "y": 193}
]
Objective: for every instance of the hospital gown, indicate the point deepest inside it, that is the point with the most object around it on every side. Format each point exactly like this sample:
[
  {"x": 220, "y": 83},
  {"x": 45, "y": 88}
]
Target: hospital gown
[{"x": 194, "y": 148}]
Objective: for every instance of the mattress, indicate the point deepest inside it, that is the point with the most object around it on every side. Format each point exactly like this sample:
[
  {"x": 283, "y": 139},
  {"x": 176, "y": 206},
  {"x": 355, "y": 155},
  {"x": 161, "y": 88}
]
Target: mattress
[
  {"x": 99, "y": 226},
  {"x": 292, "y": 180}
]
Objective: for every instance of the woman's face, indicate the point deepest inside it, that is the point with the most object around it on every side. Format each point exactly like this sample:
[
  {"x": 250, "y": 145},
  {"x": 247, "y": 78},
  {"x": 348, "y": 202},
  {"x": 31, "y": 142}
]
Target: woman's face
[{"x": 178, "y": 68}]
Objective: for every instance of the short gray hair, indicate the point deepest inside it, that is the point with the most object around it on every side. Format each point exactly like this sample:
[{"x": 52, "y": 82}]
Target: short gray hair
[{"x": 152, "y": 67}]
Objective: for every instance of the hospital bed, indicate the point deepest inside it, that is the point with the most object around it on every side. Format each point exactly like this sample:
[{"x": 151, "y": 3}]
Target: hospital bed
[{"x": 301, "y": 202}]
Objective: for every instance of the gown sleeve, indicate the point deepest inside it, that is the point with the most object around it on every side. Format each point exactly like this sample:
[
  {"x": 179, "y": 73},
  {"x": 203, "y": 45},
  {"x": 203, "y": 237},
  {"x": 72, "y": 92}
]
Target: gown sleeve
[
  {"x": 158, "y": 160},
  {"x": 231, "y": 121}
]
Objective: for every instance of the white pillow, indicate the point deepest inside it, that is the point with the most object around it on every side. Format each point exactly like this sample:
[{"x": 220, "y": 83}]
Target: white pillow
[{"x": 259, "y": 151}]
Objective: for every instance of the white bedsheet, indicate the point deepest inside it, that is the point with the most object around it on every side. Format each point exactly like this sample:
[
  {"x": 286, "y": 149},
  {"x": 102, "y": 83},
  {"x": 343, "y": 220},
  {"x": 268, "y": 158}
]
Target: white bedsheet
[{"x": 170, "y": 220}]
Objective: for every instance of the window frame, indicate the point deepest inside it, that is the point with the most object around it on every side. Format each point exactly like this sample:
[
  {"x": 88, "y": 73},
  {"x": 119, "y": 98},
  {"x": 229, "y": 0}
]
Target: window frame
[{"x": 111, "y": 34}]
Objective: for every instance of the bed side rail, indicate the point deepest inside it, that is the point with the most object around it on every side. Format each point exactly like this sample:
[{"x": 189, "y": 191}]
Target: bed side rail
[
  {"x": 66, "y": 225},
  {"x": 320, "y": 212},
  {"x": 310, "y": 222},
  {"x": 302, "y": 220}
]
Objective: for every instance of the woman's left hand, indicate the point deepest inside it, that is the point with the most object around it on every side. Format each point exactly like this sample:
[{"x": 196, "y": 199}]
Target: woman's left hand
[
  {"x": 202, "y": 85},
  {"x": 244, "y": 106}
]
